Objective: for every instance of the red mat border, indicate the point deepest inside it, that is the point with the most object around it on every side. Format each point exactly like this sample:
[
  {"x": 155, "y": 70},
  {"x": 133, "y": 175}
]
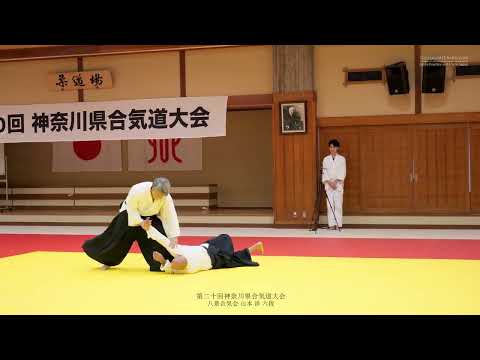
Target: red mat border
[{"x": 15, "y": 244}]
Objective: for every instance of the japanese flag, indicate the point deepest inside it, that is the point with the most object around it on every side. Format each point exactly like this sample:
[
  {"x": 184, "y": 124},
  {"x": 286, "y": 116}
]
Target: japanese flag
[{"x": 81, "y": 156}]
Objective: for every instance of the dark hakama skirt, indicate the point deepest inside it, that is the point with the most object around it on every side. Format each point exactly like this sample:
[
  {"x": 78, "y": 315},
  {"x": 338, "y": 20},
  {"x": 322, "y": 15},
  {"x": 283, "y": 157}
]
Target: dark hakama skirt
[
  {"x": 223, "y": 255},
  {"x": 113, "y": 245}
]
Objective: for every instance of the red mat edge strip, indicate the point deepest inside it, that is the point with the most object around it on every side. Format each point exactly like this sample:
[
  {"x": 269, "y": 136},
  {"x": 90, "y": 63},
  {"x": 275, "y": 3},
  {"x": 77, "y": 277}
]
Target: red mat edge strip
[{"x": 15, "y": 244}]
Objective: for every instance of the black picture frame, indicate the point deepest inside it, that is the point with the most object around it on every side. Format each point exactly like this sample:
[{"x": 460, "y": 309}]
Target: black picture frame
[{"x": 293, "y": 121}]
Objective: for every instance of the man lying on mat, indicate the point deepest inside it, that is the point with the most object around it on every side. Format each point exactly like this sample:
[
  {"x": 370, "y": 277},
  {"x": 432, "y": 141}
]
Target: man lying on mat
[{"x": 215, "y": 253}]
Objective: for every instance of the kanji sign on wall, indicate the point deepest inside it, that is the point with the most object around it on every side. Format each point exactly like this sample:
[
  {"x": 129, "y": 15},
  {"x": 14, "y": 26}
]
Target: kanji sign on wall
[{"x": 83, "y": 80}]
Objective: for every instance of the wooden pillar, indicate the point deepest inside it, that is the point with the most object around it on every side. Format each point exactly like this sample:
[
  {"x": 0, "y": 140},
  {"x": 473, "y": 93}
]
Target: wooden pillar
[
  {"x": 418, "y": 80},
  {"x": 294, "y": 160},
  {"x": 292, "y": 68},
  {"x": 79, "y": 69}
]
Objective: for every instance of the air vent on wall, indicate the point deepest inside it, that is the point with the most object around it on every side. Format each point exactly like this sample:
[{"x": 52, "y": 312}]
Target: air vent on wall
[
  {"x": 467, "y": 71},
  {"x": 362, "y": 76}
]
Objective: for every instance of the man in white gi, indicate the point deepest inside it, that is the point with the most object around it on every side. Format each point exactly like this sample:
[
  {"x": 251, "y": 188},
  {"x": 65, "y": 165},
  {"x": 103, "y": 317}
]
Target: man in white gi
[
  {"x": 334, "y": 171},
  {"x": 215, "y": 253},
  {"x": 148, "y": 205},
  {"x": 152, "y": 199}
]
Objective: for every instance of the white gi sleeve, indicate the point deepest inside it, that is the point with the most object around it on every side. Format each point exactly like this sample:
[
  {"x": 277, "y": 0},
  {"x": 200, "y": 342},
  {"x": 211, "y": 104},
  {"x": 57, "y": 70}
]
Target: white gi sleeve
[
  {"x": 169, "y": 218},
  {"x": 134, "y": 218},
  {"x": 156, "y": 235},
  {"x": 167, "y": 267},
  {"x": 342, "y": 170},
  {"x": 324, "y": 171}
]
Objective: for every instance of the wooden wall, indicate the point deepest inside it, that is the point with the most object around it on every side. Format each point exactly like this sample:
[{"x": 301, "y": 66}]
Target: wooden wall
[
  {"x": 240, "y": 163},
  {"x": 294, "y": 164},
  {"x": 408, "y": 168},
  {"x": 441, "y": 162},
  {"x": 475, "y": 166},
  {"x": 381, "y": 149}
]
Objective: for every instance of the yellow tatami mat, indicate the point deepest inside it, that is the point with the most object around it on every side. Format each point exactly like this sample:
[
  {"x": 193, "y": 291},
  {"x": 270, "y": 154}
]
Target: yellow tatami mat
[{"x": 71, "y": 283}]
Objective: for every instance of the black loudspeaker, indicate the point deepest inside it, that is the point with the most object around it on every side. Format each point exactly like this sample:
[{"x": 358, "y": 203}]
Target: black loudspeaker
[
  {"x": 397, "y": 78},
  {"x": 433, "y": 79}
]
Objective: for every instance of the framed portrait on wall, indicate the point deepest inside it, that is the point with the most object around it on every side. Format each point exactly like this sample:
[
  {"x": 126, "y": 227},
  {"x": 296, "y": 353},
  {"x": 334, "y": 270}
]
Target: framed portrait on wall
[{"x": 293, "y": 117}]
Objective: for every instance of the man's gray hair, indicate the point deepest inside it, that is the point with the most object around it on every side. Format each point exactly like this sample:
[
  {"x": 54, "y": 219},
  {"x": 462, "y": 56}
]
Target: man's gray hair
[{"x": 162, "y": 184}]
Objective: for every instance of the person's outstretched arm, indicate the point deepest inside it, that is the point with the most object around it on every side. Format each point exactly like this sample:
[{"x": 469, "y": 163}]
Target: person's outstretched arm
[
  {"x": 169, "y": 218},
  {"x": 156, "y": 235}
]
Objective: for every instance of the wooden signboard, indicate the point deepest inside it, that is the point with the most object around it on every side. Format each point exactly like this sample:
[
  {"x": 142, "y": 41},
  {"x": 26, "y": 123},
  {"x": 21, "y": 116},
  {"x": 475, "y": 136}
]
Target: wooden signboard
[{"x": 83, "y": 80}]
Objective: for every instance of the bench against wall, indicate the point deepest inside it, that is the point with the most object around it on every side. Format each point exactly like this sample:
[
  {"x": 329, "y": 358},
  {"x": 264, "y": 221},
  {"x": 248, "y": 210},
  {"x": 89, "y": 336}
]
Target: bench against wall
[{"x": 189, "y": 197}]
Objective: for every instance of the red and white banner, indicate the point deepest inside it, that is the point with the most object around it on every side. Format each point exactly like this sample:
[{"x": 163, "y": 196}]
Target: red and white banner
[
  {"x": 82, "y": 156},
  {"x": 165, "y": 154},
  {"x": 164, "y": 118}
]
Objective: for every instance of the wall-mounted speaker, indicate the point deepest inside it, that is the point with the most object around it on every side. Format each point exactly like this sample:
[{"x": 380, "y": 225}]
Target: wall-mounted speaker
[
  {"x": 397, "y": 78},
  {"x": 433, "y": 79}
]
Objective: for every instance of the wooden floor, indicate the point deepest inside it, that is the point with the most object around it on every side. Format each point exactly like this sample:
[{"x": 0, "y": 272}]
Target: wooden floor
[
  {"x": 253, "y": 217},
  {"x": 96, "y": 211},
  {"x": 223, "y": 216}
]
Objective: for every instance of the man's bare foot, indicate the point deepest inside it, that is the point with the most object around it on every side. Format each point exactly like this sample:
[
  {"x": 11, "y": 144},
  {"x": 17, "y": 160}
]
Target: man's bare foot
[
  {"x": 256, "y": 249},
  {"x": 105, "y": 267},
  {"x": 158, "y": 257}
]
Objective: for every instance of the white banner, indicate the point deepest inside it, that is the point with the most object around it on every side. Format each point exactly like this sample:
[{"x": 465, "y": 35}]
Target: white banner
[
  {"x": 165, "y": 154},
  {"x": 163, "y": 118},
  {"x": 82, "y": 156}
]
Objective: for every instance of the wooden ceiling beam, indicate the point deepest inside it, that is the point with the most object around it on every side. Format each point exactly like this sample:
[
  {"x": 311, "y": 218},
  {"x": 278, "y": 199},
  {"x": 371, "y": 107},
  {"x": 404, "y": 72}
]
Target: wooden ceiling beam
[{"x": 67, "y": 51}]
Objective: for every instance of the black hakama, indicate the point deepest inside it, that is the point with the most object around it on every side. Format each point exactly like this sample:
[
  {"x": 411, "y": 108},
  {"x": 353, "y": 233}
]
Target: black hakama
[
  {"x": 113, "y": 245},
  {"x": 223, "y": 255}
]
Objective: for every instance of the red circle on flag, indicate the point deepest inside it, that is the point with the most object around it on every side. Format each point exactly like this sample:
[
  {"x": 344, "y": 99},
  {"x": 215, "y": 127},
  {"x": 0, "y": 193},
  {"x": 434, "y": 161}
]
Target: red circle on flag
[{"x": 87, "y": 150}]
